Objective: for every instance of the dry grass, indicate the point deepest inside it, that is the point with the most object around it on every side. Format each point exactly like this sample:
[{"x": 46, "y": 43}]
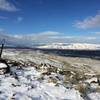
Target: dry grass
[
  {"x": 98, "y": 89},
  {"x": 82, "y": 88},
  {"x": 52, "y": 80}
]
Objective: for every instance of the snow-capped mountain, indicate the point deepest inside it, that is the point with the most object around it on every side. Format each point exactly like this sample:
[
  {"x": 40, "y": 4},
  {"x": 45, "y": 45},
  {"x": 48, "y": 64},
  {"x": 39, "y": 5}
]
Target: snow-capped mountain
[{"x": 79, "y": 46}]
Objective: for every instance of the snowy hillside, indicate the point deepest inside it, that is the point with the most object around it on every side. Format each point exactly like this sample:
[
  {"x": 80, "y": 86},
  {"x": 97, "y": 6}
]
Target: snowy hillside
[
  {"x": 37, "y": 76},
  {"x": 71, "y": 46}
]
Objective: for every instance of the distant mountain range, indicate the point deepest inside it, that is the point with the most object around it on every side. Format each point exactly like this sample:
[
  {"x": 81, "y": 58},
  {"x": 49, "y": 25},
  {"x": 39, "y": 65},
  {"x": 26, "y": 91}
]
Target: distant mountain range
[
  {"x": 80, "y": 46},
  {"x": 14, "y": 41}
]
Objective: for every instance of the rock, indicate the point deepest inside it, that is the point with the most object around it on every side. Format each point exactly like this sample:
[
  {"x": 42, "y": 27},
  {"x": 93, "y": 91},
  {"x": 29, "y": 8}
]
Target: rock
[{"x": 4, "y": 67}]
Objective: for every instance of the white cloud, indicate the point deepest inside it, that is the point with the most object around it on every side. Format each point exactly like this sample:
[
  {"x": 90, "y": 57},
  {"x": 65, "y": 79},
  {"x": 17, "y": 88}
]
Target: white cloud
[
  {"x": 3, "y": 17},
  {"x": 38, "y": 37},
  {"x": 1, "y": 29},
  {"x": 91, "y": 38},
  {"x": 90, "y": 22},
  {"x": 19, "y": 19},
  {"x": 49, "y": 37},
  {"x": 61, "y": 37},
  {"x": 97, "y": 33},
  {"x": 7, "y": 6},
  {"x": 46, "y": 37}
]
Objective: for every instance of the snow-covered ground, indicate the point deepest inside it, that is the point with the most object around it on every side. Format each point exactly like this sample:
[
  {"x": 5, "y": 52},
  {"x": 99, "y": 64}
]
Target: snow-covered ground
[
  {"x": 25, "y": 86},
  {"x": 79, "y": 46},
  {"x": 25, "y": 82}
]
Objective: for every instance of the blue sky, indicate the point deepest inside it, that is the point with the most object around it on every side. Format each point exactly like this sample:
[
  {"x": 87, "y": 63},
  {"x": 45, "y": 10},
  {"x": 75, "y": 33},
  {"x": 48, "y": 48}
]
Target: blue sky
[{"x": 72, "y": 20}]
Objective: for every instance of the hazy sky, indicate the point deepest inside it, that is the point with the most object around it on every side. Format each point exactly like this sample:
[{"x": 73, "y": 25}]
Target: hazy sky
[{"x": 61, "y": 20}]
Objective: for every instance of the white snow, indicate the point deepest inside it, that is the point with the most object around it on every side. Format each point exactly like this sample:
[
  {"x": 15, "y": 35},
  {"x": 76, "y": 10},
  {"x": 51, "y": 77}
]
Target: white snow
[
  {"x": 2, "y": 65},
  {"x": 26, "y": 84},
  {"x": 27, "y": 87},
  {"x": 79, "y": 46},
  {"x": 92, "y": 79},
  {"x": 94, "y": 96}
]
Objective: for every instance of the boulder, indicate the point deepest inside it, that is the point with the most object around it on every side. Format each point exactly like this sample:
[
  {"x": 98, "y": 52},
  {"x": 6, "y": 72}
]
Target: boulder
[{"x": 4, "y": 67}]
